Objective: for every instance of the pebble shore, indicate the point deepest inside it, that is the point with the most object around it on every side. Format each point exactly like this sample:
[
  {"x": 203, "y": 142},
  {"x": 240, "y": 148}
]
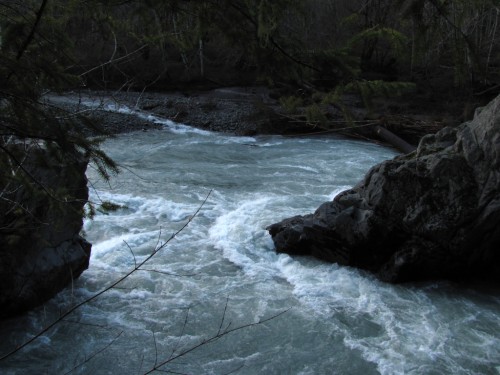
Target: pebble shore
[{"x": 237, "y": 111}]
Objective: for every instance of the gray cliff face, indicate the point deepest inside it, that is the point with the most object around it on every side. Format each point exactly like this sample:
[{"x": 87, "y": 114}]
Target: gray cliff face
[
  {"x": 434, "y": 213},
  {"x": 41, "y": 250}
]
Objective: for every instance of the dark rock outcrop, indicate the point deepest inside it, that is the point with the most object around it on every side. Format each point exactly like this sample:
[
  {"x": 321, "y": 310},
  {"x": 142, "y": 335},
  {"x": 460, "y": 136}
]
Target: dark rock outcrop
[
  {"x": 41, "y": 250},
  {"x": 433, "y": 213}
]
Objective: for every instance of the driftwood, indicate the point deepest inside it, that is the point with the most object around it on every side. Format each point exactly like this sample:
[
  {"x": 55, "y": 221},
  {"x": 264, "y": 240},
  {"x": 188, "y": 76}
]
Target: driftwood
[{"x": 394, "y": 140}]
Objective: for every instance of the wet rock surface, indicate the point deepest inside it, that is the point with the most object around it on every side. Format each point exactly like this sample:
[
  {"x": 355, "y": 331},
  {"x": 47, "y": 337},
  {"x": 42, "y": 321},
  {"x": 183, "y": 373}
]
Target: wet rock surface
[
  {"x": 430, "y": 214},
  {"x": 41, "y": 249}
]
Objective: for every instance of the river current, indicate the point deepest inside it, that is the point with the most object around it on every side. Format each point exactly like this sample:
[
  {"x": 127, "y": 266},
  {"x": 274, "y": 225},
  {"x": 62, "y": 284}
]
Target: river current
[{"x": 217, "y": 299}]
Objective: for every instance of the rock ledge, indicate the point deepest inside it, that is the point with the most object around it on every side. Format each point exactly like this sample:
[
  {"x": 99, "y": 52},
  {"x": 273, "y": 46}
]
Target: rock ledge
[
  {"x": 41, "y": 250},
  {"x": 430, "y": 214}
]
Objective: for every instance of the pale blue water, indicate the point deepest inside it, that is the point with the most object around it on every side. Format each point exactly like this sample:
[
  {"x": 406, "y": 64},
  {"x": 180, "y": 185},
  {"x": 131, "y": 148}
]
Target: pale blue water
[{"x": 336, "y": 320}]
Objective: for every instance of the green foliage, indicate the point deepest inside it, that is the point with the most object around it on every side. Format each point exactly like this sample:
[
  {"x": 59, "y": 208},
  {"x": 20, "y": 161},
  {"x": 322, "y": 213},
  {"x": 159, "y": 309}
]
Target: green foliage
[
  {"x": 106, "y": 207},
  {"x": 335, "y": 98},
  {"x": 291, "y": 103},
  {"x": 335, "y": 64},
  {"x": 372, "y": 89},
  {"x": 395, "y": 39},
  {"x": 379, "y": 88},
  {"x": 90, "y": 211},
  {"x": 269, "y": 15},
  {"x": 315, "y": 116}
]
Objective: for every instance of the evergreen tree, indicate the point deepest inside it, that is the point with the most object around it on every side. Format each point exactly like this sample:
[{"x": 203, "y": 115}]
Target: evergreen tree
[{"x": 34, "y": 55}]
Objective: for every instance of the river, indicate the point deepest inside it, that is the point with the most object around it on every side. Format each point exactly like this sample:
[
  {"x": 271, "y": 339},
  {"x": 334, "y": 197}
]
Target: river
[{"x": 217, "y": 299}]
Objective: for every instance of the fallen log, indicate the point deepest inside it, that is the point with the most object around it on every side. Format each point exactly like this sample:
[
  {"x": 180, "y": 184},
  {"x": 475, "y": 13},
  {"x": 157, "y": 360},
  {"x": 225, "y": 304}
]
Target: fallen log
[{"x": 394, "y": 140}]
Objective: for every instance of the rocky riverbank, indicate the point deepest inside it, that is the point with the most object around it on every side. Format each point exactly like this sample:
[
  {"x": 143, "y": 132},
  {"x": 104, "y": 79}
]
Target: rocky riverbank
[
  {"x": 434, "y": 213},
  {"x": 252, "y": 111},
  {"x": 240, "y": 111}
]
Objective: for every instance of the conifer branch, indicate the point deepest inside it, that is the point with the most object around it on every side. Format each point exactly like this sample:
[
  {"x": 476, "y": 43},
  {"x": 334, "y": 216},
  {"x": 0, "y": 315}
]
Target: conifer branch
[{"x": 31, "y": 35}]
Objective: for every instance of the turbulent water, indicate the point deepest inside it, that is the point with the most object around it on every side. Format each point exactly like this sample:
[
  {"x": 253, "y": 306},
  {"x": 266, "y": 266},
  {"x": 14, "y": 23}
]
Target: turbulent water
[{"x": 217, "y": 299}]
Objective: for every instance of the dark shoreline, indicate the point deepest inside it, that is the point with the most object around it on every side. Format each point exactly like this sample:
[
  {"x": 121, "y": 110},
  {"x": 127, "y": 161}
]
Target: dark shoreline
[
  {"x": 240, "y": 111},
  {"x": 249, "y": 111}
]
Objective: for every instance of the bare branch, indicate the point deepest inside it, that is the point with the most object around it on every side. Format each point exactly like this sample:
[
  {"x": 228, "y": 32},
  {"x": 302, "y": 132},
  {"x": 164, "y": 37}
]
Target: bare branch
[
  {"x": 169, "y": 273},
  {"x": 132, "y": 251},
  {"x": 114, "y": 61},
  {"x": 212, "y": 339},
  {"x": 95, "y": 354},
  {"x": 223, "y": 316},
  {"x": 87, "y": 324},
  {"x": 156, "y": 348},
  {"x": 186, "y": 318},
  {"x": 113, "y": 285}
]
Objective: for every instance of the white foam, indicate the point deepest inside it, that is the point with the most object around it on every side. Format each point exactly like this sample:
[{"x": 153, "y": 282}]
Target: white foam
[
  {"x": 271, "y": 144},
  {"x": 142, "y": 206},
  {"x": 337, "y": 191},
  {"x": 398, "y": 329},
  {"x": 133, "y": 240},
  {"x": 251, "y": 141},
  {"x": 240, "y": 231},
  {"x": 172, "y": 126},
  {"x": 301, "y": 167}
]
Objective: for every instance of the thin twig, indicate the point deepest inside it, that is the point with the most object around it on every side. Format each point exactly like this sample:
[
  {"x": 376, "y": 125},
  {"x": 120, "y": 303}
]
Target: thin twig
[
  {"x": 186, "y": 319},
  {"x": 86, "y": 324},
  {"x": 223, "y": 316},
  {"x": 95, "y": 354},
  {"x": 212, "y": 339},
  {"x": 169, "y": 273},
  {"x": 156, "y": 348},
  {"x": 113, "y": 61},
  {"x": 133, "y": 255}
]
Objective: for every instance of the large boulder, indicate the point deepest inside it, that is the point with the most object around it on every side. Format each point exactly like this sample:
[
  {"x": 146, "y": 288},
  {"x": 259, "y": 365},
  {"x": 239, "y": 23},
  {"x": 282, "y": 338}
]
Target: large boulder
[
  {"x": 433, "y": 213},
  {"x": 41, "y": 250}
]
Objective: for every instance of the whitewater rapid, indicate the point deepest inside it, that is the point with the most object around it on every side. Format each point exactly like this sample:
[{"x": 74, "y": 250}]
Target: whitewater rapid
[{"x": 221, "y": 272}]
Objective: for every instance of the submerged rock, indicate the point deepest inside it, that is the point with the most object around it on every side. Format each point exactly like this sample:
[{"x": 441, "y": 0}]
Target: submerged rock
[
  {"x": 433, "y": 213},
  {"x": 41, "y": 250}
]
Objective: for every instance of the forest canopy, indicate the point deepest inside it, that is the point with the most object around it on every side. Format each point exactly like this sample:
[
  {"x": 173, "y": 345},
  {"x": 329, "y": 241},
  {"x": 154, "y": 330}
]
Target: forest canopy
[{"x": 315, "y": 43}]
